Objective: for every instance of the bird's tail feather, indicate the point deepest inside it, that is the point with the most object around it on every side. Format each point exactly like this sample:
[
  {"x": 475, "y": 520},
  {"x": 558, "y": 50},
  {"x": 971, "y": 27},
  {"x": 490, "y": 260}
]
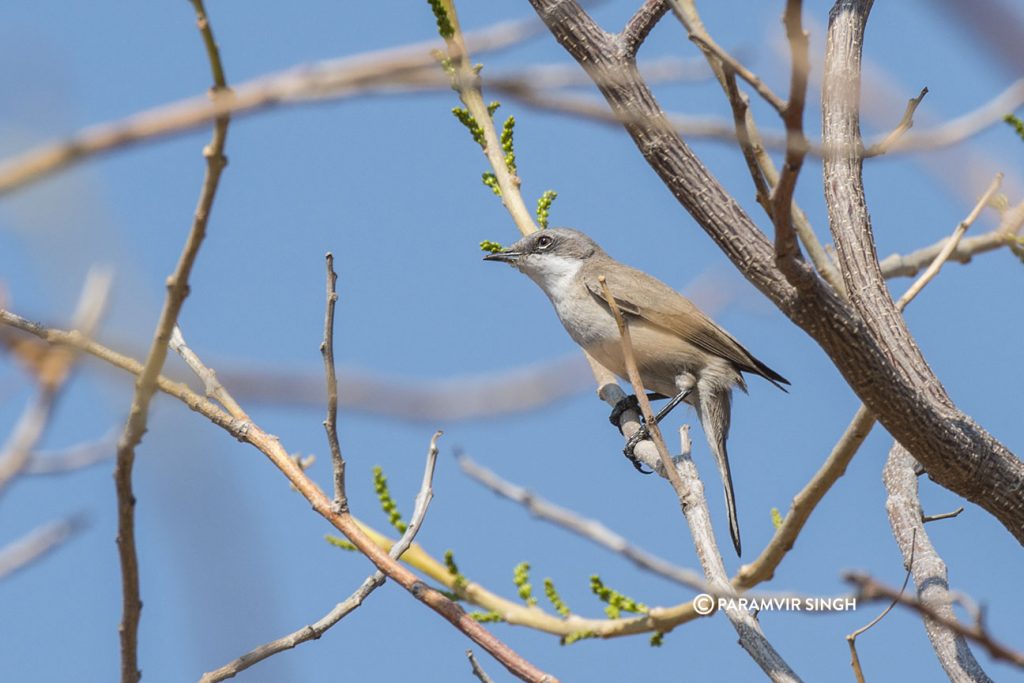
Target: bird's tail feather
[{"x": 714, "y": 413}]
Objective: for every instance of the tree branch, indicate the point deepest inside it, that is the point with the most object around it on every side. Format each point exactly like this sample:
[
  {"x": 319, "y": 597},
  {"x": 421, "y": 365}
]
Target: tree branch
[
  {"x": 927, "y": 568},
  {"x": 342, "y": 609},
  {"x": 146, "y": 384}
]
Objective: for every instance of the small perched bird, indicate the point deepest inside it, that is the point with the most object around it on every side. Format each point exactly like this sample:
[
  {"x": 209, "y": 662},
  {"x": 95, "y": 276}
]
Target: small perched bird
[{"x": 680, "y": 352}]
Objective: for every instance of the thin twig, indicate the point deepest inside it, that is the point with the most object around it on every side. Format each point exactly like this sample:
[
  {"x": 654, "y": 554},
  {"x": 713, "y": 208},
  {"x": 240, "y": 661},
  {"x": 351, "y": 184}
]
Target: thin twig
[
  {"x": 146, "y": 384},
  {"x": 905, "y": 124},
  {"x": 591, "y": 529},
  {"x": 925, "y": 519},
  {"x": 342, "y": 609},
  {"x": 639, "y": 26},
  {"x": 1005, "y": 233},
  {"x": 211, "y": 384},
  {"x": 852, "y": 638},
  {"x": 331, "y": 422},
  {"x": 704, "y": 42},
  {"x": 478, "y": 671},
  {"x": 869, "y": 589},
  {"x": 37, "y": 543}
]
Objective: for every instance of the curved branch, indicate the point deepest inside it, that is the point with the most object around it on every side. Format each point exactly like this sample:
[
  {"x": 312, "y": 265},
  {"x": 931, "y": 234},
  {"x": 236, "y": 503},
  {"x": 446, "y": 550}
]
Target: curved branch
[
  {"x": 890, "y": 378},
  {"x": 928, "y": 569}
]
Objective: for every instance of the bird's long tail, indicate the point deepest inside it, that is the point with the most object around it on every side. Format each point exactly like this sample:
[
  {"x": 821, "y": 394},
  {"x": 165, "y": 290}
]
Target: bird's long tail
[{"x": 715, "y": 408}]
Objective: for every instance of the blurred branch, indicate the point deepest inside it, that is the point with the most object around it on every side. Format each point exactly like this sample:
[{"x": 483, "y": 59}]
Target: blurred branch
[
  {"x": 36, "y": 544},
  {"x": 52, "y": 371},
  {"x": 73, "y": 458},
  {"x": 146, "y": 384},
  {"x": 339, "y": 78},
  {"x": 342, "y": 609},
  {"x": 591, "y": 529},
  {"x": 925, "y": 565}
]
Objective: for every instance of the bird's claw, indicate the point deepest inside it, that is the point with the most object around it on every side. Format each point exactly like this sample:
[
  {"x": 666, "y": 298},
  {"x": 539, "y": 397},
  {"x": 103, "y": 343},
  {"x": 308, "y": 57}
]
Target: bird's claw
[
  {"x": 631, "y": 445},
  {"x": 628, "y": 403}
]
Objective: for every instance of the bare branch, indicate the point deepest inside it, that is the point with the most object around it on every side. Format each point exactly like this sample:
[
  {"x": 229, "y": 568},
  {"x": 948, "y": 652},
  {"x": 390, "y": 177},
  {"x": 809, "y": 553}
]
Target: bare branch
[
  {"x": 950, "y": 246},
  {"x": 52, "y": 371},
  {"x": 590, "y": 529},
  {"x": 146, "y": 384},
  {"x": 787, "y": 252},
  {"x": 905, "y": 124},
  {"x": 927, "y": 568},
  {"x": 37, "y": 543},
  {"x": 1005, "y": 233},
  {"x": 641, "y": 24},
  {"x": 478, "y": 671},
  {"x": 731, "y": 64},
  {"x": 945, "y": 515},
  {"x": 331, "y": 423},
  {"x": 74, "y": 458},
  {"x": 869, "y": 589},
  {"x": 342, "y": 609},
  {"x": 851, "y": 638},
  {"x": 212, "y": 386},
  {"x": 339, "y": 78}
]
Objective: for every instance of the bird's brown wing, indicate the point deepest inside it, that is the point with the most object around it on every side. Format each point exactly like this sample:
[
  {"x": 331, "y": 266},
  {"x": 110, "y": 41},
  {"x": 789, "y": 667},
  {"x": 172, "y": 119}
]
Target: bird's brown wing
[{"x": 671, "y": 311}]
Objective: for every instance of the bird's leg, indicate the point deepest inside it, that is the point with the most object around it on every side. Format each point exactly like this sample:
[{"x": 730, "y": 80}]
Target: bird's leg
[
  {"x": 629, "y": 403},
  {"x": 644, "y": 432}
]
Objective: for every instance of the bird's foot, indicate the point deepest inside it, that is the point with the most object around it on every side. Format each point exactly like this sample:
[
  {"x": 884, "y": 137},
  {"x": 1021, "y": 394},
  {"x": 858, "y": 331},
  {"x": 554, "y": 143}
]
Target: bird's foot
[
  {"x": 628, "y": 403},
  {"x": 631, "y": 445}
]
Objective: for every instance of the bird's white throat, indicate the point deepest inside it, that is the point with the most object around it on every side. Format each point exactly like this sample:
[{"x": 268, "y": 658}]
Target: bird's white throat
[{"x": 553, "y": 273}]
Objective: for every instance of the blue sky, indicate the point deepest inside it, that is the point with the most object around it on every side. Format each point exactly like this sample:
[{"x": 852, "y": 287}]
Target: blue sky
[{"x": 231, "y": 557}]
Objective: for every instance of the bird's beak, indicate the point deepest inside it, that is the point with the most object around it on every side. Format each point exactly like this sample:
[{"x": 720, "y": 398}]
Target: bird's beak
[{"x": 506, "y": 256}]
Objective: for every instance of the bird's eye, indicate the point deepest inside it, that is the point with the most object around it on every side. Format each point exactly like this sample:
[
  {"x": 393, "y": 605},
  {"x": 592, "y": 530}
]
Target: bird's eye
[{"x": 544, "y": 241}]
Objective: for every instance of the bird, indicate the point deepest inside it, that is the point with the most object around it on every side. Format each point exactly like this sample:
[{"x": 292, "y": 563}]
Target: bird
[{"x": 680, "y": 352}]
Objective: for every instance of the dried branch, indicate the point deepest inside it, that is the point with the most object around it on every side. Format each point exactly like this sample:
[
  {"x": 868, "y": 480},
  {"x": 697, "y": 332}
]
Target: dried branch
[
  {"x": 905, "y": 124},
  {"x": 662, "y": 619},
  {"x": 342, "y": 609},
  {"x": 211, "y": 384},
  {"x": 787, "y": 253},
  {"x": 950, "y": 246},
  {"x": 852, "y": 638},
  {"x": 478, "y": 671},
  {"x": 752, "y": 144},
  {"x": 339, "y": 78},
  {"x": 804, "y": 503},
  {"x": 1004, "y": 234},
  {"x": 74, "y": 458},
  {"x": 945, "y": 515},
  {"x": 591, "y": 529},
  {"x": 146, "y": 384},
  {"x": 927, "y": 568},
  {"x": 639, "y": 26},
  {"x": 331, "y": 423},
  {"x": 860, "y": 426},
  {"x": 870, "y": 589},
  {"x": 731, "y": 64},
  {"x": 52, "y": 370},
  {"x": 37, "y": 543}
]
